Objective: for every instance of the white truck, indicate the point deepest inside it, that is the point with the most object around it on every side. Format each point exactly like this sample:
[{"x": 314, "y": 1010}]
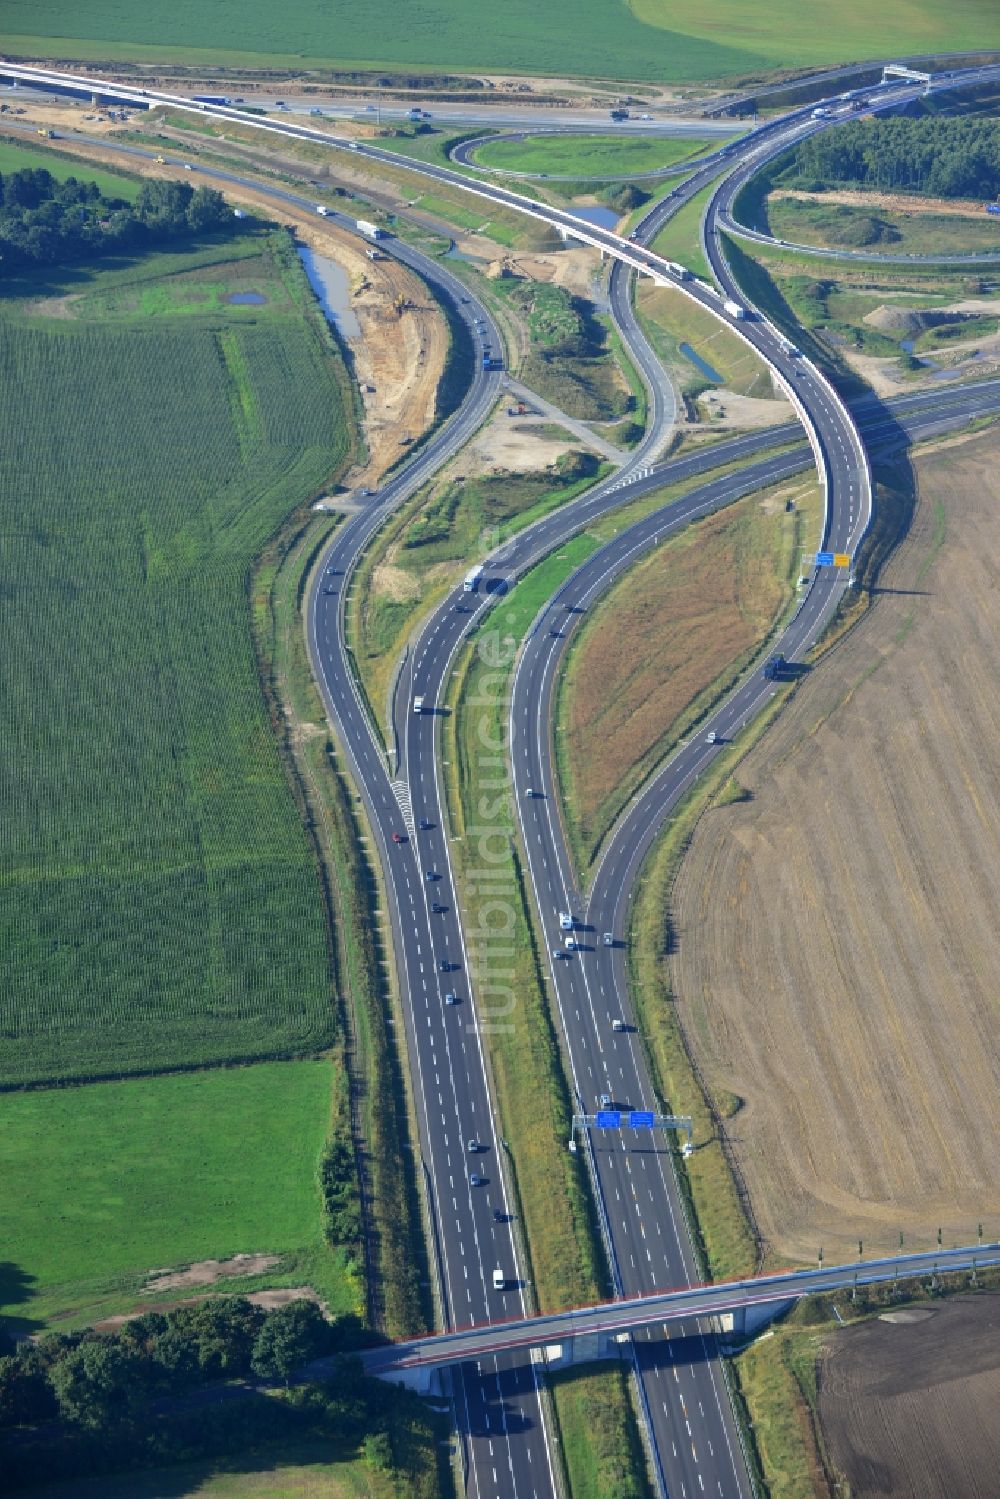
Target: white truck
[
  {"x": 374, "y": 254},
  {"x": 322, "y": 210},
  {"x": 370, "y": 230},
  {"x": 822, "y": 113},
  {"x": 418, "y": 705},
  {"x": 735, "y": 309},
  {"x": 472, "y": 578}
]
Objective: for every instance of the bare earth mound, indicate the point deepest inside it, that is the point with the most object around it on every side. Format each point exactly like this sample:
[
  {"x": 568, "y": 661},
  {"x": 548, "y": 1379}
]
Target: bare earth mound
[
  {"x": 911, "y": 1409},
  {"x": 838, "y": 961}
]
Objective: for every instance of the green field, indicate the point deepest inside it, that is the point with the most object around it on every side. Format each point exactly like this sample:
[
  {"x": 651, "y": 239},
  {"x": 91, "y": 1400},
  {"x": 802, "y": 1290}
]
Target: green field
[
  {"x": 16, "y": 158},
  {"x": 879, "y": 230},
  {"x": 580, "y": 156},
  {"x": 298, "y": 1470},
  {"x": 662, "y": 40},
  {"x": 159, "y": 902},
  {"x": 107, "y": 1182}
]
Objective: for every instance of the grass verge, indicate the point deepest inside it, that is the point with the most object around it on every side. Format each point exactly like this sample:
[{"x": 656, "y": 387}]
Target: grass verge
[
  {"x": 524, "y": 1058},
  {"x": 711, "y": 594},
  {"x": 392, "y": 1235}
]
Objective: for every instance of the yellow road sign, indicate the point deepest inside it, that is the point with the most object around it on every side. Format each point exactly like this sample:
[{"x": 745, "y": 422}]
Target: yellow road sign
[{"x": 841, "y": 559}]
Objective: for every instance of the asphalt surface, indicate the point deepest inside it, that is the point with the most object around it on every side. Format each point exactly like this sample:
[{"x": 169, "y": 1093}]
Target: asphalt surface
[
  {"x": 506, "y": 1441},
  {"x": 645, "y": 1231}
]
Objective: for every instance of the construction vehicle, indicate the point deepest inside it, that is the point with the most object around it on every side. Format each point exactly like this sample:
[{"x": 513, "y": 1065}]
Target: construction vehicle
[
  {"x": 400, "y": 303},
  {"x": 374, "y": 254},
  {"x": 619, "y": 114},
  {"x": 161, "y": 160}
]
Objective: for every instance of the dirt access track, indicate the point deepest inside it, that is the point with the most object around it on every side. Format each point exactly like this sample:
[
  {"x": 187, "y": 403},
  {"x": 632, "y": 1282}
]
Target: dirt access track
[
  {"x": 908, "y": 1402},
  {"x": 837, "y": 959}
]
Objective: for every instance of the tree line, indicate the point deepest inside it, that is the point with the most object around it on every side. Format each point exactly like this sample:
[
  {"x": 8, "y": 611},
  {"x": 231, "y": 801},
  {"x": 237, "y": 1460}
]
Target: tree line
[
  {"x": 84, "y": 1402},
  {"x": 44, "y": 221},
  {"x": 940, "y": 157}
]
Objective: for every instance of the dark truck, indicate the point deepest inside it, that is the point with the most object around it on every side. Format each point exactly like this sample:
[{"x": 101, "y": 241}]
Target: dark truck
[
  {"x": 775, "y": 668},
  {"x": 619, "y": 114}
]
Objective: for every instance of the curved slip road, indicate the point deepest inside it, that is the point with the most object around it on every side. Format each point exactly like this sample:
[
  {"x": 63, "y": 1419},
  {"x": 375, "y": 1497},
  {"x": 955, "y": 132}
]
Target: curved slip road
[{"x": 445, "y": 1050}]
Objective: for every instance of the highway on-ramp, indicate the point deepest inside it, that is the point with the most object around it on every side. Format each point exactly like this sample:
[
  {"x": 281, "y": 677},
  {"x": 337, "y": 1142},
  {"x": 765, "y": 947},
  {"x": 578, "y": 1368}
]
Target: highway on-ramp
[{"x": 473, "y": 1231}]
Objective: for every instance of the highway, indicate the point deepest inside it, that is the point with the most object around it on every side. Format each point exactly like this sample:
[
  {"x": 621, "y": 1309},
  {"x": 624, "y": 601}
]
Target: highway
[
  {"x": 501, "y": 1414},
  {"x": 635, "y": 1186}
]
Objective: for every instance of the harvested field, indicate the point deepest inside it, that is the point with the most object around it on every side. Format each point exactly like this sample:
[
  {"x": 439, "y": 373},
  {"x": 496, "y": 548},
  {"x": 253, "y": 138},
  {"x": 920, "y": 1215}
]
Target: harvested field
[
  {"x": 909, "y": 1407},
  {"x": 662, "y": 635},
  {"x": 837, "y": 950}
]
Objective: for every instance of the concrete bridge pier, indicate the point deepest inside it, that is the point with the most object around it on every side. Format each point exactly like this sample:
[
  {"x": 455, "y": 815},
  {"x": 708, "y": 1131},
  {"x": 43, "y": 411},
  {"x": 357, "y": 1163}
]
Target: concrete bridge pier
[
  {"x": 743, "y": 1323},
  {"x": 420, "y": 1380},
  {"x": 586, "y": 1348}
]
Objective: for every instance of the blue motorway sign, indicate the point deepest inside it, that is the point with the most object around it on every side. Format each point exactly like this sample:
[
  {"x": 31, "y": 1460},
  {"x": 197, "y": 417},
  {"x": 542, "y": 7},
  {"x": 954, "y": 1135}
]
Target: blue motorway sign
[
  {"x": 824, "y": 559},
  {"x": 640, "y": 1119},
  {"x": 609, "y": 1119}
]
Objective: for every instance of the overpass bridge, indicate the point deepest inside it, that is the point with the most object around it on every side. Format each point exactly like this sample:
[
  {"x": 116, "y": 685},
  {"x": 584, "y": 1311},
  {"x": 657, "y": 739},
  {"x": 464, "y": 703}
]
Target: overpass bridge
[
  {"x": 749, "y": 1303},
  {"x": 900, "y": 70}
]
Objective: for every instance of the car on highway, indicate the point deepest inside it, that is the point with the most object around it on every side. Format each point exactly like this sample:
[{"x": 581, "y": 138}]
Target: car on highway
[
  {"x": 451, "y": 999},
  {"x": 711, "y": 737},
  {"x": 617, "y": 1025},
  {"x": 570, "y": 943},
  {"x": 605, "y": 1100},
  {"x": 609, "y": 939},
  {"x": 425, "y": 825},
  {"x": 557, "y": 953},
  {"x": 399, "y": 837},
  {"x": 431, "y": 874},
  {"x": 566, "y": 921},
  {"x": 499, "y": 1216},
  {"x": 444, "y": 965},
  {"x": 475, "y": 1180},
  {"x": 437, "y": 908},
  {"x": 529, "y": 790},
  {"x": 472, "y": 1146}
]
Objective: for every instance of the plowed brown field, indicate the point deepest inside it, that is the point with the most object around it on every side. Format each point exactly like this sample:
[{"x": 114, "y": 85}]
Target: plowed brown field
[
  {"x": 909, "y": 1408},
  {"x": 838, "y": 957}
]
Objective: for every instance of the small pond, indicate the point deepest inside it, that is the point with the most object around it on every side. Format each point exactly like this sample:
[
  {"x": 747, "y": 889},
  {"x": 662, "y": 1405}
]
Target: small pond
[
  {"x": 701, "y": 364},
  {"x": 247, "y": 299},
  {"x": 329, "y": 281},
  {"x": 604, "y": 218}
]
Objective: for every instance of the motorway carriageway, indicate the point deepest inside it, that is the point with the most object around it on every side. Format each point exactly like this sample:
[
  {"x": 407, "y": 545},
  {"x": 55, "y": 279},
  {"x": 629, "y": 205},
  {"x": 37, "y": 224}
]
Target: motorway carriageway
[
  {"x": 833, "y": 429},
  {"x": 655, "y": 1255}
]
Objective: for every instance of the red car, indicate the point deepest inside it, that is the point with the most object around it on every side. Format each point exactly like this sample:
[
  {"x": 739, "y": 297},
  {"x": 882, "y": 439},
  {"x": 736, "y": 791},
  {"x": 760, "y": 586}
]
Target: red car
[{"x": 398, "y": 838}]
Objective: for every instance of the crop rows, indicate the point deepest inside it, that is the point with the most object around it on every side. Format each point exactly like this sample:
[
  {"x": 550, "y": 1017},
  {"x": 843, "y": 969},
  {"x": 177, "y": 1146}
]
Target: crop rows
[{"x": 158, "y": 900}]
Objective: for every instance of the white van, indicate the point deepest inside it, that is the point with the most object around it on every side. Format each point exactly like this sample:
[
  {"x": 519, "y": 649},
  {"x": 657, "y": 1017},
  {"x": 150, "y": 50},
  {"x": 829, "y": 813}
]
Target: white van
[
  {"x": 498, "y": 1280},
  {"x": 418, "y": 705}
]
